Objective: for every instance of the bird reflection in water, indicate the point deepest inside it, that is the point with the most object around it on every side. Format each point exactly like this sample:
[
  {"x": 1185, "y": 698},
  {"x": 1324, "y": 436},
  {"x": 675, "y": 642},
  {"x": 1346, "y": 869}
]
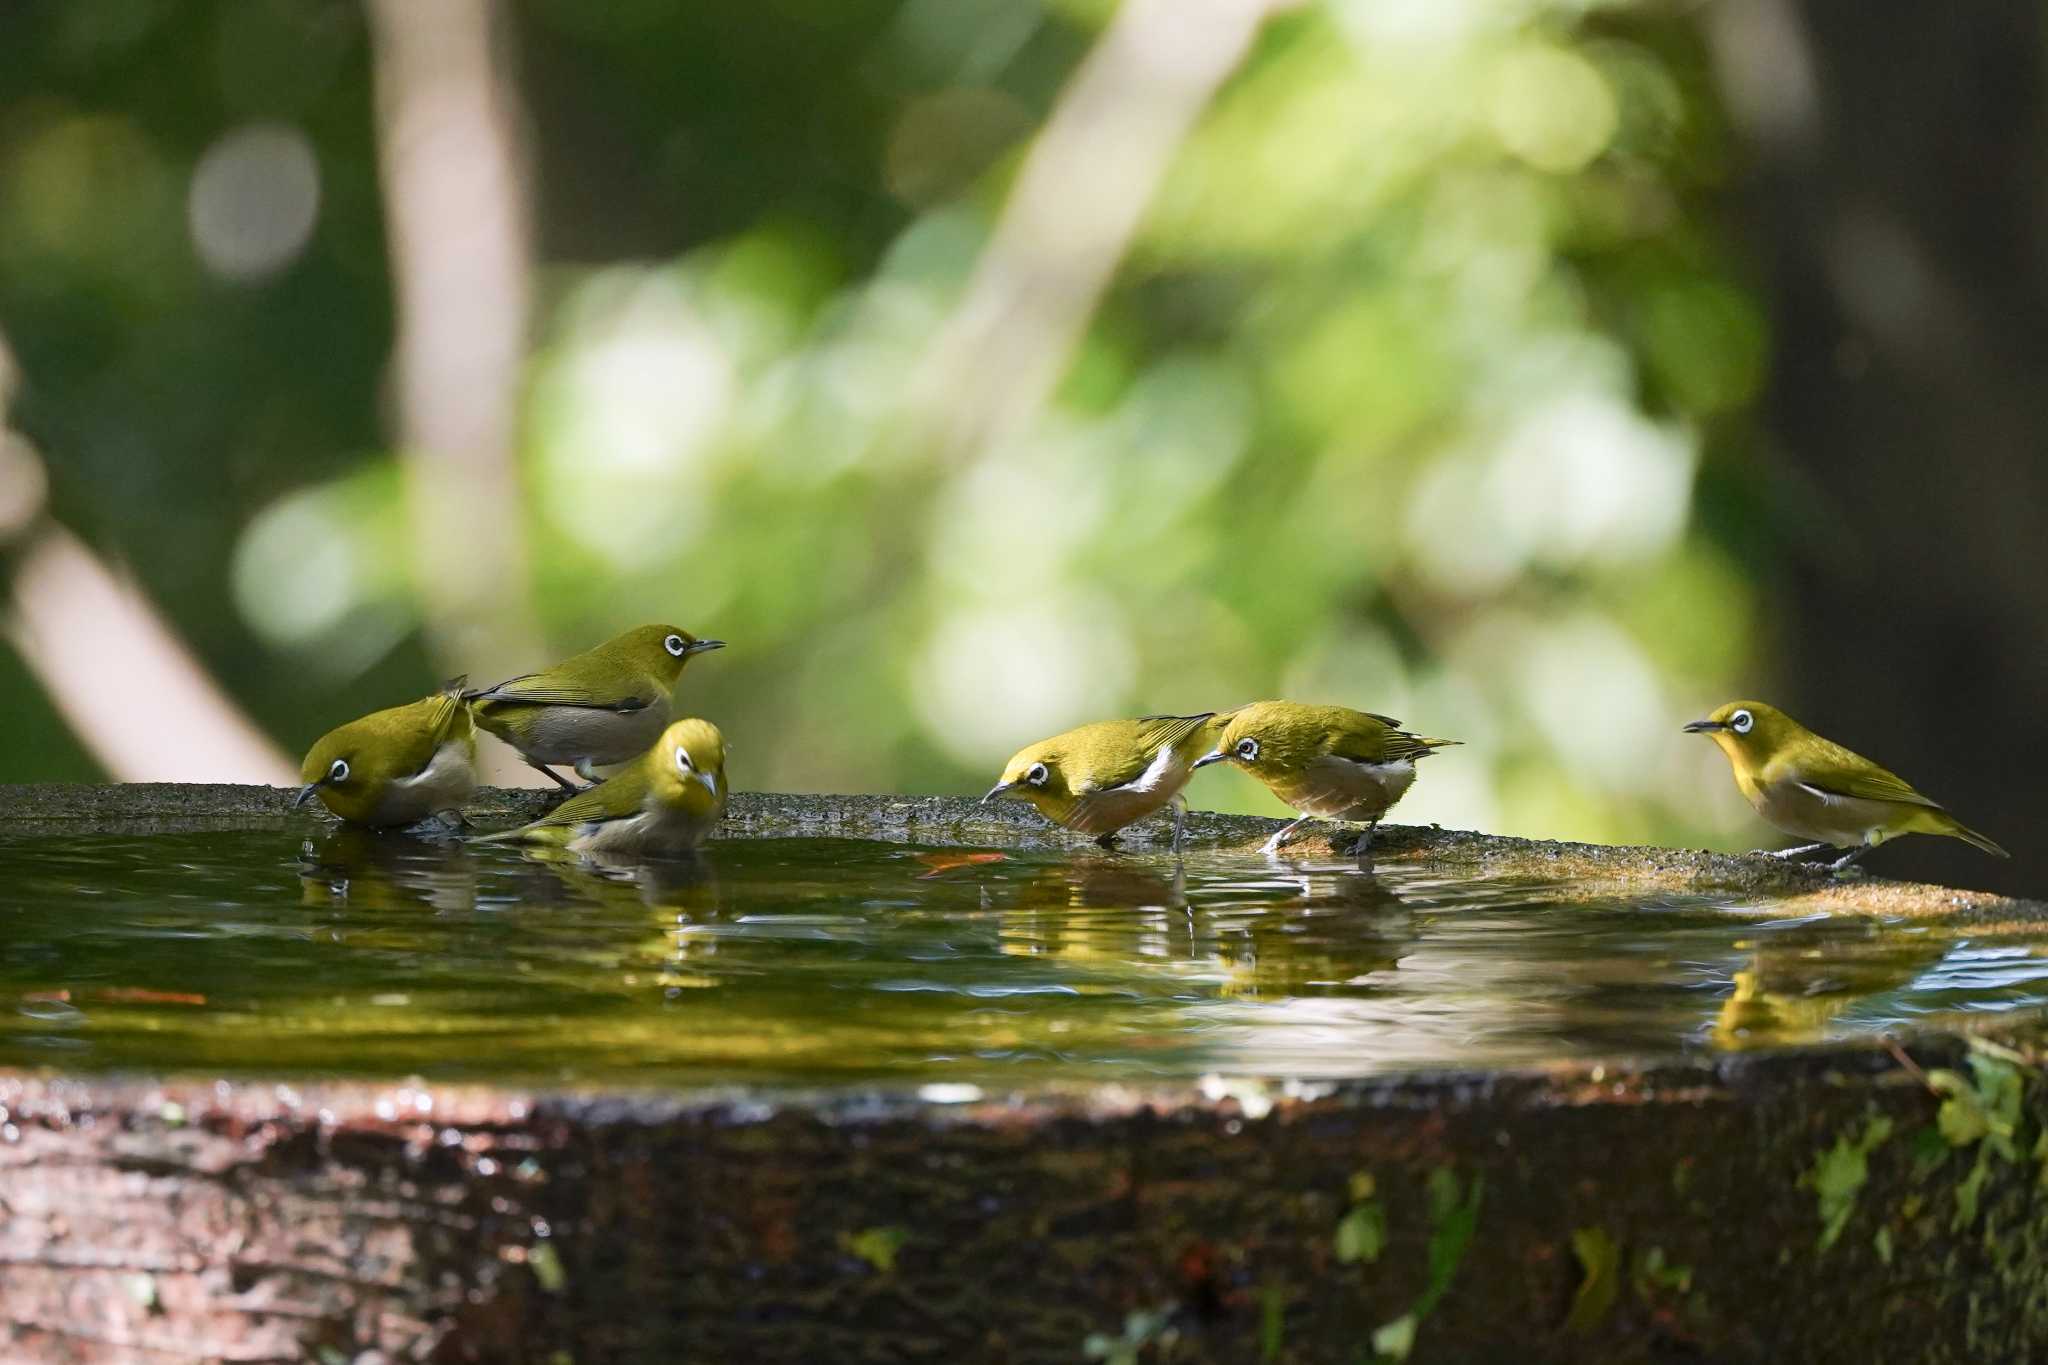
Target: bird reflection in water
[
  {"x": 1278, "y": 936},
  {"x": 367, "y": 869},
  {"x": 1791, "y": 993}
]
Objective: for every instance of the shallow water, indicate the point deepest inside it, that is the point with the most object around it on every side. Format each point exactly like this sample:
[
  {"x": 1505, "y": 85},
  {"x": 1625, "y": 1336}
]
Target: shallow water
[{"x": 804, "y": 961}]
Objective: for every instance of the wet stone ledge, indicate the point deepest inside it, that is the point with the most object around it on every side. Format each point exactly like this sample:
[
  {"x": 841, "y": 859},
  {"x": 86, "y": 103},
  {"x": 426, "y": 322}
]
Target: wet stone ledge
[
  {"x": 1594, "y": 869},
  {"x": 1845, "y": 1203}
]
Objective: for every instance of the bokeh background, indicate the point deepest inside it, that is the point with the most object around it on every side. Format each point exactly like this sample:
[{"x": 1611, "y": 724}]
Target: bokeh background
[{"x": 1541, "y": 373}]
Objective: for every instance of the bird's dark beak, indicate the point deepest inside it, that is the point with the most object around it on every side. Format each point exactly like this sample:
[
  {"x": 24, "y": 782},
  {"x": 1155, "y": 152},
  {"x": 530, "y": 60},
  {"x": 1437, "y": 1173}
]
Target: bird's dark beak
[
  {"x": 702, "y": 647},
  {"x": 1213, "y": 756},
  {"x": 997, "y": 790},
  {"x": 304, "y": 792},
  {"x": 1705, "y": 727}
]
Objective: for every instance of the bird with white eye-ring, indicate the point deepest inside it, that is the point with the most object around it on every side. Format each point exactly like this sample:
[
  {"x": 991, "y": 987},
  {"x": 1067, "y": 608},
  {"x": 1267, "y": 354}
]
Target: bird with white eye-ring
[
  {"x": 397, "y": 766},
  {"x": 1328, "y": 762},
  {"x": 601, "y": 707},
  {"x": 667, "y": 803},
  {"x": 1814, "y": 789},
  {"x": 1096, "y": 779}
]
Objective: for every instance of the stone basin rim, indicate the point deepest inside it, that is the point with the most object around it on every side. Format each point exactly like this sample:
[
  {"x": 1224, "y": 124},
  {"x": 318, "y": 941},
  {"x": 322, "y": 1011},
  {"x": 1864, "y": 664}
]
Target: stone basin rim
[
  {"x": 404, "y": 1103},
  {"x": 1600, "y": 869}
]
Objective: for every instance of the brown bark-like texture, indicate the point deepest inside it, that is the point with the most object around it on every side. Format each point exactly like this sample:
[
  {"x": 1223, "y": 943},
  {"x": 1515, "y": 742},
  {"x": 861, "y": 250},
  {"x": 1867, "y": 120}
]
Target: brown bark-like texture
[{"x": 270, "y": 1223}]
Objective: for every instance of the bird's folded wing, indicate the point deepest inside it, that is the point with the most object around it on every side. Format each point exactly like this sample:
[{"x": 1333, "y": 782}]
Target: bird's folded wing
[
  {"x": 612, "y": 799},
  {"x": 1154, "y": 733},
  {"x": 553, "y": 689},
  {"x": 1374, "y": 745},
  {"x": 451, "y": 715},
  {"x": 1838, "y": 772}
]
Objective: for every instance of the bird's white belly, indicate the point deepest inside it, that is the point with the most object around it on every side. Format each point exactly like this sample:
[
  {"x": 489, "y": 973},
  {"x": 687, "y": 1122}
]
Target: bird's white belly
[
  {"x": 572, "y": 734},
  {"x": 1109, "y": 810},
  {"x": 446, "y": 783},
  {"x": 658, "y": 830},
  {"x": 1333, "y": 788},
  {"x": 1824, "y": 817}
]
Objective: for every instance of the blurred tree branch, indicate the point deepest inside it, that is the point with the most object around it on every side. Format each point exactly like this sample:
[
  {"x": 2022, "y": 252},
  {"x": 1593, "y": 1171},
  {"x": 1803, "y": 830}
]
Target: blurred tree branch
[
  {"x": 1078, "y": 199},
  {"x": 131, "y": 691},
  {"x": 456, "y": 213}
]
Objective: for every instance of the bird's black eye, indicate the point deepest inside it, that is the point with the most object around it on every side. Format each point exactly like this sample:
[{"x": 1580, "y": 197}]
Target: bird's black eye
[
  {"x": 1036, "y": 777},
  {"x": 1741, "y": 722},
  {"x": 338, "y": 770},
  {"x": 675, "y": 644},
  {"x": 1248, "y": 749},
  {"x": 683, "y": 763}
]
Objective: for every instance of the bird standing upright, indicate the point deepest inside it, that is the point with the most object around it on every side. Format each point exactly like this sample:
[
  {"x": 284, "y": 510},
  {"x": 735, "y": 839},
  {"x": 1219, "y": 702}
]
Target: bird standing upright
[
  {"x": 1814, "y": 789},
  {"x": 1098, "y": 778},
  {"x": 667, "y": 803},
  {"x": 1328, "y": 762},
  {"x": 397, "y": 766},
  {"x": 604, "y": 706}
]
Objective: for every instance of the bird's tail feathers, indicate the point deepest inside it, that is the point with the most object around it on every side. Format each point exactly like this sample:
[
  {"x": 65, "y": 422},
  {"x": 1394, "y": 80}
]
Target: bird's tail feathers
[{"x": 1970, "y": 836}]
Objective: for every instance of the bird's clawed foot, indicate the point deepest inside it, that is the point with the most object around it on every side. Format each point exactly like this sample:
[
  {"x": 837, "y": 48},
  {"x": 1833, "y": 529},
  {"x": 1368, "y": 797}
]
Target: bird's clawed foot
[
  {"x": 1362, "y": 845},
  {"x": 1283, "y": 836},
  {"x": 1106, "y": 840},
  {"x": 564, "y": 783},
  {"x": 1788, "y": 854},
  {"x": 1847, "y": 860}
]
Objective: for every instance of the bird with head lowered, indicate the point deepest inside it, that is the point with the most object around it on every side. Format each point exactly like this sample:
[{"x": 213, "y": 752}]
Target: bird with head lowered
[
  {"x": 1328, "y": 762},
  {"x": 1814, "y": 789},
  {"x": 1096, "y": 779},
  {"x": 397, "y": 766},
  {"x": 667, "y": 803},
  {"x": 601, "y": 707}
]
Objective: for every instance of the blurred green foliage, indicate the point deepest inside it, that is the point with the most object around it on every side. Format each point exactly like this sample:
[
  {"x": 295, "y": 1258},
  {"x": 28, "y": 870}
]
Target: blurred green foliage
[{"x": 1422, "y": 388}]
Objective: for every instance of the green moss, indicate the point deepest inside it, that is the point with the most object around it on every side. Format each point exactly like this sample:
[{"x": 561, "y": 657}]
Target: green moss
[
  {"x": 1838, "y": 1175},
  {"x": 1600, "y": 1279}
]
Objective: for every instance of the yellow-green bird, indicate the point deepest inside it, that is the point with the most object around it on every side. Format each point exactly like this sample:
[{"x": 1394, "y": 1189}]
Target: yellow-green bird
[
  {"x": 1814, "y": 789},
  {"x": 604, "y": 706},
  {"x": 1328, "y": 762},
  {"x": 396, "y": 766},
  {"x": 1098, "y": 778},
  {"x": 667, "y": 803}
]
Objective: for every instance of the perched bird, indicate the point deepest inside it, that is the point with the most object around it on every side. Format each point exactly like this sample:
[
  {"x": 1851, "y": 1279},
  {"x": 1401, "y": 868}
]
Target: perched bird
[
  {"x": 667, "y": 803},
  {"x": 1098, "y": 778},
  {"x": 1328, "y": 762},
  {"x": 398, "y": 766},
  {"x": 1816, "y": 790},
  {"x": 604, "y": 706}
]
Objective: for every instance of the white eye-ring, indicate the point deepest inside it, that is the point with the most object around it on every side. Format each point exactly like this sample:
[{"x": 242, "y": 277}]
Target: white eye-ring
[
  {"x": 1036, "y": 777},
  {"x": 338, "y": 770},
  {"x": 676, "y": 645},
  {"x": 1248, "y": 749},
  {"x": 683, "y": 763},
  {"x": 1741, "y": 722}
]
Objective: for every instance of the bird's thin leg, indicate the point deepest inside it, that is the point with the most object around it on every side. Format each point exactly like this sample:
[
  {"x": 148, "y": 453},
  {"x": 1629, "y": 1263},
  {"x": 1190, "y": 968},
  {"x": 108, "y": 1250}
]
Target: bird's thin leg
[
  {"x": 1851, "y": 856},
  {"x": 587, "y": 770},
  {"x": 1180, "y": 816},
  {"x": 1281, "y": 836},
  {"x": 1106, "y": 840},
  {"x": 564, "y": 783},
  {"x": 1788, "y": 853},
  {"x": 1363, "y": 843}
]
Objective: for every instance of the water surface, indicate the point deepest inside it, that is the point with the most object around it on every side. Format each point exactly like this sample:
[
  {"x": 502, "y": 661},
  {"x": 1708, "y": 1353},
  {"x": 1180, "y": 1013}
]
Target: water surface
[{"x": 808, "y": 961}]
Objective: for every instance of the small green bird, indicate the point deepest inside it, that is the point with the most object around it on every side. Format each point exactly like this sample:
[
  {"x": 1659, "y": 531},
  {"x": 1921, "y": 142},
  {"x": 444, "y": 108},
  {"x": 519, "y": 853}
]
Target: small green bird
[
  {"x": 604, "y": 706},
  {"x": 1098, "y": 778},
  {"x": 1328, "y": 762},
  {"x": 1815, "y": 789},
  {"x": 667, "y": 803},
  {"x": 397, "y": 766}
]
